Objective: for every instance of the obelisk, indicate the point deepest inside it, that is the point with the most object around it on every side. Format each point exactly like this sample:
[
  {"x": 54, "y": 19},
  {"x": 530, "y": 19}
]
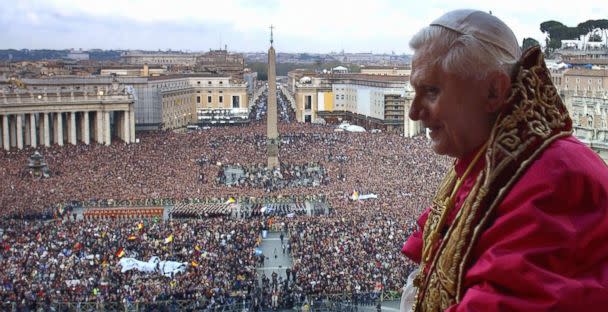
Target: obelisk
[{"x": 272, "y": 133}]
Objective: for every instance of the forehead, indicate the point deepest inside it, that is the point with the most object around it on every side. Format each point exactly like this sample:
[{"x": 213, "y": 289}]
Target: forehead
[{"x": 423, "y": 72}]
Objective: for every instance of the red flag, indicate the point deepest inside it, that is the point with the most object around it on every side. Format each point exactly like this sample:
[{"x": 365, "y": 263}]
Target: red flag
[{"x": 120, "y": 253}]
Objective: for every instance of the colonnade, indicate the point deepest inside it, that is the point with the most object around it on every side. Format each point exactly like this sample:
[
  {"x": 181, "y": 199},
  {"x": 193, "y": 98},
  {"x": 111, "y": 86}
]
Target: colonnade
[{"x": 46, "y": 128}]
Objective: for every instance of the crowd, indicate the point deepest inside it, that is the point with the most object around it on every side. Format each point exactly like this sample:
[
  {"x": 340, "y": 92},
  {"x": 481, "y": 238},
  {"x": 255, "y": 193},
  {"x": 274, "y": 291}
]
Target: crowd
[
  {"x": 272, "y": 179},
  {"x": 355, "y": 249},
  {"x": 78, "y": 261}
]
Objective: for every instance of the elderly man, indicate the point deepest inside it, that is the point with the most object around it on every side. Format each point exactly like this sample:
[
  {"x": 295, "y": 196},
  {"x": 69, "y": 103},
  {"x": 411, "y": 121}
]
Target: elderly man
[{"x": 520, "y": 221}]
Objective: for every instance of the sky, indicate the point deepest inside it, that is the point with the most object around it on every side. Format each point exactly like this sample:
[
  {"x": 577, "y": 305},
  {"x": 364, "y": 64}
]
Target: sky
[{"x": 315, "y": 26}]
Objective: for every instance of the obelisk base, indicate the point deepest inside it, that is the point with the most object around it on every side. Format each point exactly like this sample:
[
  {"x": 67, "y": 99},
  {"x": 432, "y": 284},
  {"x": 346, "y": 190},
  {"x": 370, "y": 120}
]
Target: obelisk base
[{"x": 273, "y": 155}]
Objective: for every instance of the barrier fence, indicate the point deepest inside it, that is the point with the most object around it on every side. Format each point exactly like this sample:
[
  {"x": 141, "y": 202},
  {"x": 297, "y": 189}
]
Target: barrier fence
[{"x": 330, "y": 302}]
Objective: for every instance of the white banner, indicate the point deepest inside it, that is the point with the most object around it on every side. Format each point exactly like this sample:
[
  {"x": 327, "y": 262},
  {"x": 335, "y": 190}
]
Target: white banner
[{"x": 166, "y": 268}]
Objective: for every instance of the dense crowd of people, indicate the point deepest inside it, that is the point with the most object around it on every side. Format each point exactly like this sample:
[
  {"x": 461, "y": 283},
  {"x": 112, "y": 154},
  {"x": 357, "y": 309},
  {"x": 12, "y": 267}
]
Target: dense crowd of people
[
  {"x": 77, "y": 261},
  {"x": 355, "y": 249},
  {"x": 272, "y": 179}
]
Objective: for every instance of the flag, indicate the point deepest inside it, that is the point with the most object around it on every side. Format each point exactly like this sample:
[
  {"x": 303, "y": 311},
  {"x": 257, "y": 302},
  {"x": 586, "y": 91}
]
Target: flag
[
  {"x": 355, "y": 195},
  {"x": 132, "y": 237},
  {"x": 197, "y": 248},
  {"x": 140, "y": 226},
  {"x": 169, "y": 239},
  {"x": 194, "y": 263},
  {"x": 77, "y": 246},
  {"x": 120, "y": 253},
  {"x": 230, "y": 200}
]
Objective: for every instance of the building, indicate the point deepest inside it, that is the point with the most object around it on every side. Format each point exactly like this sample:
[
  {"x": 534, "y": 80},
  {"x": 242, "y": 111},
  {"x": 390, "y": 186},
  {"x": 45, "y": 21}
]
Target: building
[
  {"x": 371, "y": 101},
  {"x": 159, "y": 58},
  {"x": 45, "y": 117},
  {"x": 590, "y": 121},
  {"x": 221, "y": 62},
  {"x": 134, "y": 70},
  {"x": 386, "y": 70},
  {"x": 162, "y": 102},
  {"x": 566, "y": 54},
  {"x": 584, "y": 80}
]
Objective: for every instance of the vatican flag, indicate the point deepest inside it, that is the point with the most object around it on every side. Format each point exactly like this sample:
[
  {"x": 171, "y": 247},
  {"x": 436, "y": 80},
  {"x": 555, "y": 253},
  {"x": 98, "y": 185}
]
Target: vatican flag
[
  {"x": 231, "y": 200},
  {"x": 169, "y": 239}
]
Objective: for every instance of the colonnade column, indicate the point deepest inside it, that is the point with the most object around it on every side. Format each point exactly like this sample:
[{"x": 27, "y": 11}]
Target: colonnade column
[
  {"x": 19, "y": 130},
  {"x": 58, "y": 127},
  {"x": 12, "y": 129},
  {"x": 99, "y": 127},
  {"x": 132, "y": 125},
  {"x": 126, "y": 120},
  {"x": 46, "y": 131},
  {"x": 26, "y": 130},
  {"x": 5, "y": 137},
  {"x": 32, "y": 129},
  {"x": 106, "y": 127},
  {"x": 72, "y": 128},
  {"x": 84, "y": 130}
]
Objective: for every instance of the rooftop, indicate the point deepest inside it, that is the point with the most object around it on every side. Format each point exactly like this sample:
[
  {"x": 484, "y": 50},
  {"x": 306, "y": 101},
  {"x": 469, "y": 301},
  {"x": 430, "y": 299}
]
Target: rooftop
[{"x": 586, "y": 72}]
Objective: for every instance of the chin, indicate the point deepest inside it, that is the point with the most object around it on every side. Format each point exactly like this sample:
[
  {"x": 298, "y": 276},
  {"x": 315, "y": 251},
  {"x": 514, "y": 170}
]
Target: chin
[{"x": 442, "y": 150}]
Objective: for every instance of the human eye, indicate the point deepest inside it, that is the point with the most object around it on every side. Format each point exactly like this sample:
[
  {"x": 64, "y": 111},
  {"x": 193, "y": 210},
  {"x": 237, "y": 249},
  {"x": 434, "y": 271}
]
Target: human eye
[{"x": 430, "y": 91}]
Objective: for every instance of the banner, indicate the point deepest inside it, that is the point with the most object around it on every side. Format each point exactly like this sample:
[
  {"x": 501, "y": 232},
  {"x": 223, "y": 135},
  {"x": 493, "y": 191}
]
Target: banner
[{"x": 154, "y": 265}]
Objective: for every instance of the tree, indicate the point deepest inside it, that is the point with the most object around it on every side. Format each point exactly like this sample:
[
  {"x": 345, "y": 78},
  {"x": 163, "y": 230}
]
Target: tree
[
  {"x": 529, "y": 42},
  {"x": 547, "y": 26}
]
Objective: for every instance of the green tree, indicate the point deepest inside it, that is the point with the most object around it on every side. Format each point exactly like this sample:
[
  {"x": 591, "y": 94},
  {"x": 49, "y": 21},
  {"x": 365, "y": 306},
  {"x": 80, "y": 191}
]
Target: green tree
[{"x": 529, "y": 42}]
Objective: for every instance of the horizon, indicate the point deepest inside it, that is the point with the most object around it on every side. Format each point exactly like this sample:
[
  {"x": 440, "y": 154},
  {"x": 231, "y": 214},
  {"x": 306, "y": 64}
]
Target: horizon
[{"x": 380, "y": 27}]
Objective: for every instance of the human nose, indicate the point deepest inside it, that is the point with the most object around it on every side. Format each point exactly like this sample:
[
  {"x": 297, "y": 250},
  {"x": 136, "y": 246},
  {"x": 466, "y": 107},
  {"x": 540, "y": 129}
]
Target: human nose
[{"x": 415, "y": 109}]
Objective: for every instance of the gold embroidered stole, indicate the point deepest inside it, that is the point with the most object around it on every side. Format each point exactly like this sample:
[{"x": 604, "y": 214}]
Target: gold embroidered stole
[{"x": 533, "y": 118}]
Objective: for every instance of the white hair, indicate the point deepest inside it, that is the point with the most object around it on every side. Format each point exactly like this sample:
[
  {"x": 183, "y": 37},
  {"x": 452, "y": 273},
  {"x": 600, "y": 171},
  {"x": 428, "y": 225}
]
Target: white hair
[{"x": 460, "y": 54}]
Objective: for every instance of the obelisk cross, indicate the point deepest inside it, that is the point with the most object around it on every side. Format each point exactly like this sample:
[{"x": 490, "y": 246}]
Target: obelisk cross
[{"x": 271, "y": 27}]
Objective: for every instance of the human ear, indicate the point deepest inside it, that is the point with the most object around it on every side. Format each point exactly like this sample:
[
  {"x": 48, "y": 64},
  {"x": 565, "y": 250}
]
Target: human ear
[{"x": 498, "y": 88}]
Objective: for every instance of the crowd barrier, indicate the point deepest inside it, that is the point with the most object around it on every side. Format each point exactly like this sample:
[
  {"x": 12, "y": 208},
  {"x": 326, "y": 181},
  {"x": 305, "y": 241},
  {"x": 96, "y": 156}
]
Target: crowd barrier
[{"x": 330, "y": 302}]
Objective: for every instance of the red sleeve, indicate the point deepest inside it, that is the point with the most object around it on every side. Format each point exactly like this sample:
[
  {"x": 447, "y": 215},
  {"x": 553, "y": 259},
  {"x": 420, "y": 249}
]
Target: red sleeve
[
  {"x": 546, "y": 250},
  {"x": 413, "y": 246}
]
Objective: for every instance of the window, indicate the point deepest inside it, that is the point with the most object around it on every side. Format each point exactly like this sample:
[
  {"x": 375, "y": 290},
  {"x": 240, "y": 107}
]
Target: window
[
  {"x": 308, "y": 102},
  {"x": 198, "y": 100},
  {"x": 235, "y": 101},
  {"x": 209, "y": 82},
  {"x": 221, "y": 99},
  {"x": 209, "y": 99},
  {"x": 307, "y": 118},
  {"x": 337, "y": 96}
]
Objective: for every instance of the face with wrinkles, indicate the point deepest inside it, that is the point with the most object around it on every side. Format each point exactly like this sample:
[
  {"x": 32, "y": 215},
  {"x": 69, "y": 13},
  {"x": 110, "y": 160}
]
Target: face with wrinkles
[{"x": 454, "y": 109}]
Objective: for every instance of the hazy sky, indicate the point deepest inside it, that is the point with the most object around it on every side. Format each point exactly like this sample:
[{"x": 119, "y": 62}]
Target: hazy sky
[{"x": 301, "y": 25}]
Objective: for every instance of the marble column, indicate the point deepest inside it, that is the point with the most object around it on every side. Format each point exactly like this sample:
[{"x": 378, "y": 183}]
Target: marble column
[
  {"x": 58, "y": 133},
  {"x": 26, "y": 130},
  {"x": 5, "y": 137},
  {"x": 47, "y": 130},
  {"x": 99, "y": 127},
  {"x": 118, "y": 124},
  {"x": 33, "y": 142},
  {"x": 19, "y": 130},
  {"x": 12, "y": 128},
  {"x": 107, "y": 130},
  {"x": 126, "y": 132},
  {"x": 72, "y": 128},
  {"x": 84, "y": 132},
  {"x": 132, "y": 125}
]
